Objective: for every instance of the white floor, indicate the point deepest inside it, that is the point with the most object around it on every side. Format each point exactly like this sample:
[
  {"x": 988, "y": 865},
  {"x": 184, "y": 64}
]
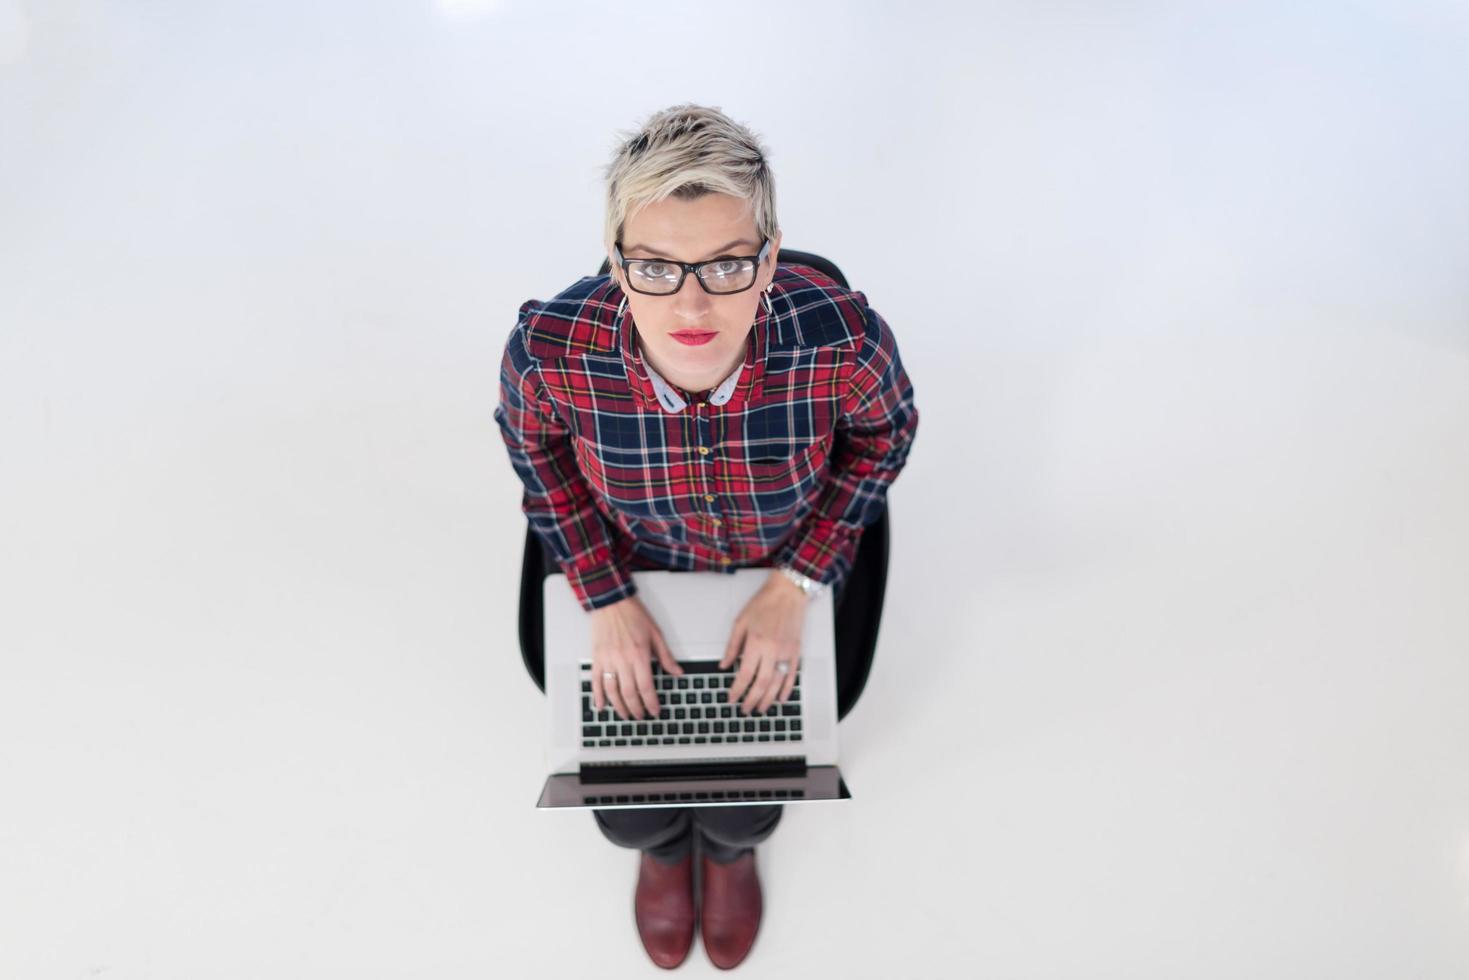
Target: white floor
[{"x": 1174, "y": 671}]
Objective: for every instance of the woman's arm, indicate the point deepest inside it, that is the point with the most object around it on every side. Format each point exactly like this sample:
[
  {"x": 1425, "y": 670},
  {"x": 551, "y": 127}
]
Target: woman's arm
[
  {"x": 873, "y": 437},
  {"x": 557, "y": 500}
]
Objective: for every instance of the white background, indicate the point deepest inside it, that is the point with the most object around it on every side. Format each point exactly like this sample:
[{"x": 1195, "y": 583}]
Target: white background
[{"x": 1172, "y": 680}]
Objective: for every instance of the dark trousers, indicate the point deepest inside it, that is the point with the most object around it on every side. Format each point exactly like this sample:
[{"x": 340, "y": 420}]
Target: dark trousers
[{"x": 667, "y": 833}]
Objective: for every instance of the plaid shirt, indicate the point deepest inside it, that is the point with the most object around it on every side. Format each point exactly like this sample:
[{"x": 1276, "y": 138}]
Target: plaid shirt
[{"x": 783, "y": 464}]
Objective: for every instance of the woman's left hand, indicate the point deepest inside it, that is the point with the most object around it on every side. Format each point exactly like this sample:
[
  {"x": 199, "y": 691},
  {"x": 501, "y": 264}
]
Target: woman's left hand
[{"x": 769, "y": 629}]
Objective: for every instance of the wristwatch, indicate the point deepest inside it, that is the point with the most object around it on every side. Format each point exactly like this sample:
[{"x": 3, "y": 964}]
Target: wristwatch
[{"x": 808, "y": 585}]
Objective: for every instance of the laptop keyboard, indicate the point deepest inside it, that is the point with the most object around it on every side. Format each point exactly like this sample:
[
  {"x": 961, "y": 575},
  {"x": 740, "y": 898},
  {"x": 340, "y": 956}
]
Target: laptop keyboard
[
  {"x": 693, "y": 796},
  {"x": 693, "y": 710}
]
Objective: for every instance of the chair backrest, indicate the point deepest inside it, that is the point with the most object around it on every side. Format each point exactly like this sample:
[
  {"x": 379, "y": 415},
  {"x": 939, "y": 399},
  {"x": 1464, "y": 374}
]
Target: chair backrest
[{"x": 857, "y": 611}]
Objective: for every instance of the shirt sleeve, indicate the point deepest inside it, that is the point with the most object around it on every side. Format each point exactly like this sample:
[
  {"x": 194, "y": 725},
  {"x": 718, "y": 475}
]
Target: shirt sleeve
[
  {"x": 557, "y": 499},
  {"x": 873, "y": 436}
]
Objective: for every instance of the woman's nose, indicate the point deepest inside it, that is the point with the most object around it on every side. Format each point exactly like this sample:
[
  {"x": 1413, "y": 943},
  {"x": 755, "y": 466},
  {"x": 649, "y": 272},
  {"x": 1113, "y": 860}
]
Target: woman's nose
[{"x": 691, "y": 302}]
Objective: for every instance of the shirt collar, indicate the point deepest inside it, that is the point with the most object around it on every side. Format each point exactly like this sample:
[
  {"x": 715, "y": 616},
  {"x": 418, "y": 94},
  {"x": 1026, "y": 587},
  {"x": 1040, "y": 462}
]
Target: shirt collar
[
  {"x": 672, "y": 401},
  {"x": 653, "y": 391}
]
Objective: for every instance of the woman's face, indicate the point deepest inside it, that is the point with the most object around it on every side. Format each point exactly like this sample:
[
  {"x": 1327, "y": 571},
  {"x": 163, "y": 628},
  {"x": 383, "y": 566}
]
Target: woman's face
[{"x": 708, "y": 227}]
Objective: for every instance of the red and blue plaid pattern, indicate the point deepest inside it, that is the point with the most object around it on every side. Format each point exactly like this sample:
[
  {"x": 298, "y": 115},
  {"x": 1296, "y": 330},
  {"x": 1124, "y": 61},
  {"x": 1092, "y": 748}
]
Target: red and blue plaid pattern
[{"x": 788, "y": 471}]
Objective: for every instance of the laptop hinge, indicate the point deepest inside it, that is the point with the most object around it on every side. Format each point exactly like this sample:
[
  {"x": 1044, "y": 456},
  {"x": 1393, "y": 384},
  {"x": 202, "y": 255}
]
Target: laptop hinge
[{"x": 618, "y": 772}]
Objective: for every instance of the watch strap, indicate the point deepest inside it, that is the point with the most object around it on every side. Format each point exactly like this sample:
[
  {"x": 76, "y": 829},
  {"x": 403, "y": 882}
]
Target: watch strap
[{"x": 808, "y": 585}]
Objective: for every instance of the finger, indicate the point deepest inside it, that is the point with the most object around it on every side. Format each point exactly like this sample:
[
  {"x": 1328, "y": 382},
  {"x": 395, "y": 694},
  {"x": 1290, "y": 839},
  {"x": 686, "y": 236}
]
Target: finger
[
  {"x": 744, "y": 675},
  {"x": 790, "y": 684},
  {"x": 761, "y": 683},
  {"x": 732, "y": 645},
  {"x": 768, "y": 689},
  {"x": 627, "y": 680},
  {"x": 614, "y": 694},
  {"x": 779, "y": 684},
  {"x": 665, "y": 656},
  {"x": 670, "y": 666},
  {"x": 597, "y": 686},
  {"x": 777, "y": 681},
  {"x": 648, "y": 696}
]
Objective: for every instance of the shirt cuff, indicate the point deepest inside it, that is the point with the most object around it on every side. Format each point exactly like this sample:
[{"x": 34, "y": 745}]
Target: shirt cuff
[
  {"x": 599, "y": 585},
  {"x": 822, "y": 549}
]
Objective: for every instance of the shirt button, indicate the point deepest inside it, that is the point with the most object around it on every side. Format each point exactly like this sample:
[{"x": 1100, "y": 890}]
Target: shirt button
[
  {"x": 724, "y": 560},
  {"x": 709, "y": 497},
  {"x": 717, "y": 522},
  {"x": 703, "y": 450}
]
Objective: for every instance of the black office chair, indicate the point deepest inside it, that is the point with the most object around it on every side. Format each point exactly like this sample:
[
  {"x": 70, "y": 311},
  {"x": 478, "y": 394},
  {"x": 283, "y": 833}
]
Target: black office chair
[{"x": 857, "y": 612}]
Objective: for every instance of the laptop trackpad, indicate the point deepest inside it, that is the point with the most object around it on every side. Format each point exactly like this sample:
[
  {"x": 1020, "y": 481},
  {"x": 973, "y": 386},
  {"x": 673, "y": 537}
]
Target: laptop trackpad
[{"x": 695, "y": 612}]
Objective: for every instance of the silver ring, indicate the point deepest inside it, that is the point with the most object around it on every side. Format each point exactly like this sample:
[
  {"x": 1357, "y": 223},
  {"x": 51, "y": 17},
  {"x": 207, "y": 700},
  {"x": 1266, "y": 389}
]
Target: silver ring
[
  {"x": 781, "y": 667},
  {"x": 607, "y": 675}
]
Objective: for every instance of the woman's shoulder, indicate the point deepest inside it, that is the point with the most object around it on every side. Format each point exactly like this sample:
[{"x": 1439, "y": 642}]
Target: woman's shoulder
[
  {"x": 580, "y": 319},
  {"x": 811, "y": 309}
]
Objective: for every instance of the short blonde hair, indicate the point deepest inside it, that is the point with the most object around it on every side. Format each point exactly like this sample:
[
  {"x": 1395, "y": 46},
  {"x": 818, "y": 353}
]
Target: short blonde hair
[{"x": 688, "y": 151}]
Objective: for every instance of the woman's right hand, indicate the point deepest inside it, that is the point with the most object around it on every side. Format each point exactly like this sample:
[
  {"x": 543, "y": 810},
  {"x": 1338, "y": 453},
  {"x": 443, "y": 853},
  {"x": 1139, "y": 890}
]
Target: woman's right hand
[{"x": 623, "y": 634}]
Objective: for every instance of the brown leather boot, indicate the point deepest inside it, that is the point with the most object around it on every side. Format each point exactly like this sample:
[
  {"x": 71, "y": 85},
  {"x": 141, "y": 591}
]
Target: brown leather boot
[
  {"x": 731, "y": 905},
  {"x": 664, "y": 909}
]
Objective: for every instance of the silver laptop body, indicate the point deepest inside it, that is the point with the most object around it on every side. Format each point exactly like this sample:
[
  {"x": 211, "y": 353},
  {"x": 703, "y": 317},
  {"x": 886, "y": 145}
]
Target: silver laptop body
[{"x": 596, "y": 759}]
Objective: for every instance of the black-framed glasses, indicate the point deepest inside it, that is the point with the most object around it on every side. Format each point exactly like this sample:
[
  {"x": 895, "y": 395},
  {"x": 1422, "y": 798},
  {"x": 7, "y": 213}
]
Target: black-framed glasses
[{"x": 664, "y": 277}]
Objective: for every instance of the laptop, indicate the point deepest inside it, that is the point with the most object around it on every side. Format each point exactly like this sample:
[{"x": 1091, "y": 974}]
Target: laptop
[{"x": 700, "y": 751}]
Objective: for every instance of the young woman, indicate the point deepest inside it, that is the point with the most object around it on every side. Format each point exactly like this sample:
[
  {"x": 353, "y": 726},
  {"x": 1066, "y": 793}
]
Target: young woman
[{"x": 700, "y": 409}]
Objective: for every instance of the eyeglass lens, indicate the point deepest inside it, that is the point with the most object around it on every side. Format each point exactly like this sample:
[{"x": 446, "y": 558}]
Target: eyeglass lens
[{"x": 720, "y": 275}]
